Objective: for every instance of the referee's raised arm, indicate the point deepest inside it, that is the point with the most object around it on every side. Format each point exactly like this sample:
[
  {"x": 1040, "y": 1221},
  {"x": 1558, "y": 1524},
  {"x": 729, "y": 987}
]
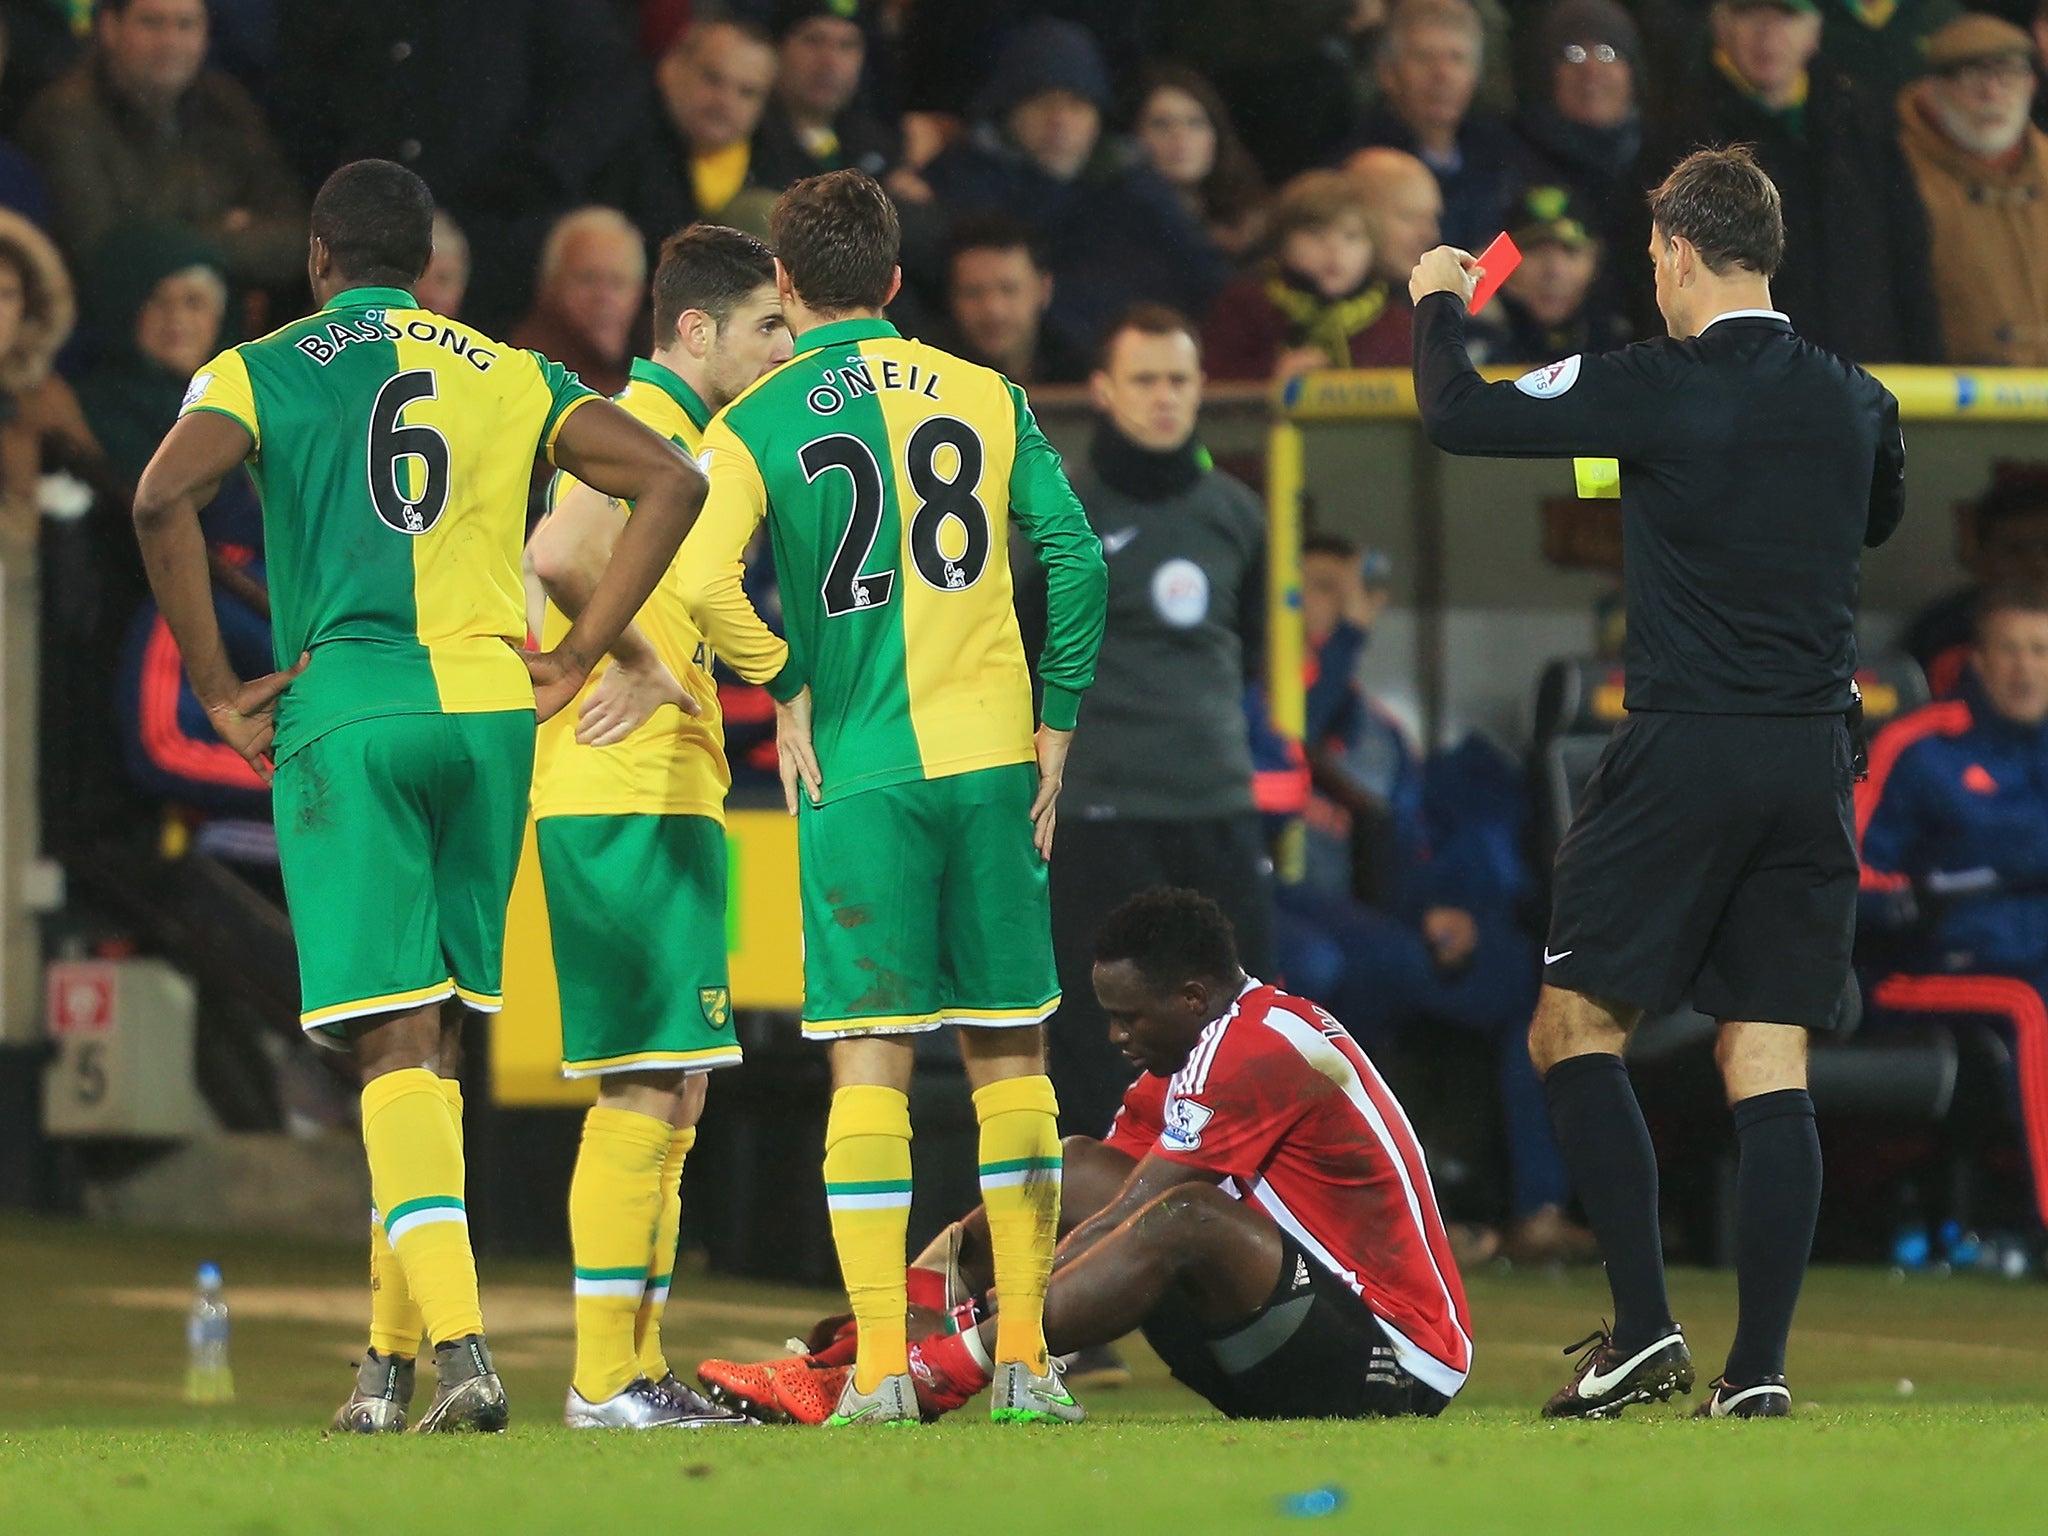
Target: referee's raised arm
[{"x": 1577, "y": 405}]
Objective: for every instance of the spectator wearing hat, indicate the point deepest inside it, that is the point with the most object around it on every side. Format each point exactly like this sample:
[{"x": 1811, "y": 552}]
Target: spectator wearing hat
[
  {"x": 1982, "y": 170},
  {"x": 1581, "y": 125},
  {"x": 1549, "y": 307},
  {"x": 1113, "y": 231},
  {"x": 1316, "y": 302},
  {"x": 1431, "y": 54},
  {"x": 1855, "y": 273},
  {"x": 1883, "y": 44},
  {"x": 812, "y": 124}
]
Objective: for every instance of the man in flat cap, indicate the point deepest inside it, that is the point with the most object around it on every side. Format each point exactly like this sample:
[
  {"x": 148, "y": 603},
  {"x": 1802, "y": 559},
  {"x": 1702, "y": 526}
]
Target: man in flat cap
[{"x": 1982, "y": 170}]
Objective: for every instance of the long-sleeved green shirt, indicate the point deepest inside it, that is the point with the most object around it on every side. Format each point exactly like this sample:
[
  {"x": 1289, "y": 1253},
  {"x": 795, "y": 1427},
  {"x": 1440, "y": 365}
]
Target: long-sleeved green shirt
[{"x": 888, "y": 473}]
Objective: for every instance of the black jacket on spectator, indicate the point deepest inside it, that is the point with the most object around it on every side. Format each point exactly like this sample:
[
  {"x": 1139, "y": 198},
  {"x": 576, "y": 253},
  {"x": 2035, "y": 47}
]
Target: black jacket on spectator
[
  {"x": 781, "y": 158},
  {"x": 1855, "y": 276},
  {"x": 1598, "y": 164},
  {"x": 507, "y": 107},
  {"x": 1116, "y": 235},
  {"x": 1477, "y": 193}
]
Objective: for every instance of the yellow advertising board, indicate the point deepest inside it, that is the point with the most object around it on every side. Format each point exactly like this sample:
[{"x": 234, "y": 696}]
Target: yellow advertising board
[{"x": 763, "y": 939}]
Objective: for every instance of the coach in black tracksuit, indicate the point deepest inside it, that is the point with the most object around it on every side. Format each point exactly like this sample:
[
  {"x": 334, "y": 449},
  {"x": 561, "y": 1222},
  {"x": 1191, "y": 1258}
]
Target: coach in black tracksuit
[{"x": 1714, "y": 856}]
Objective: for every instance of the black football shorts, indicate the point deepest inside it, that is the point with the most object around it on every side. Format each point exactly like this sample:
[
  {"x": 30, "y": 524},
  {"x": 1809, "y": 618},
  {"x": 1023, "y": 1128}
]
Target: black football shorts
[
  {"x": 1313, "y": 1351},
  {"x": 1712, "y": 859}
]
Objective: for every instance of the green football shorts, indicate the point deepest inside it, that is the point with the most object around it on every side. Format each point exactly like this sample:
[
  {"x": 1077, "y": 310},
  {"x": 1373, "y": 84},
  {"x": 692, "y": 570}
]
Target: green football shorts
[
  {"x": 398, "y": 838},
  {"x": 926, "y": 904},
  {"x": 636, "y": 907}
]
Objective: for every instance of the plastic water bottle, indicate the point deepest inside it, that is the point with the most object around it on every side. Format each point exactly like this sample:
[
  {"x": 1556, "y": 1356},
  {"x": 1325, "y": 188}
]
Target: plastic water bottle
[{"x": 208, "y": 1378}]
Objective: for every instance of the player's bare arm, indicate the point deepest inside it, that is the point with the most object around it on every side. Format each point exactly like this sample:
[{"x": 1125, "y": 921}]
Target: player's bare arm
[
  {"x": 609, "y": 451},
  {"x": 1152, "y": 1178},
  {"x": 568, "y": 554},
  {"x": 184, "y": 475}
]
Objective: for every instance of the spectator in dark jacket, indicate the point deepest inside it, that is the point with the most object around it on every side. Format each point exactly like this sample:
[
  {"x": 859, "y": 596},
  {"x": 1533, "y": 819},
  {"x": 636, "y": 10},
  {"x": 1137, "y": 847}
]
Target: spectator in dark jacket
[
  {"x": 693, "y": 158},
  {"x": 997, "y": 292},
  {"x": 1430, "y": 58},
  {"x": 508, "y": 109},
  {"x": 1580, "y": 123},
  {"x": 1112, "y": 230},
  {"x": 1882, "y": 44},
  {"x": 1316, "y": 302},
  {"x": 1855, "y": 274},
  {"x": 1549, "y": 307},
  {"x": 140, "y": 129},
  {"x": 1185, "y": 131},
  {"x": 812, "y": 124}
]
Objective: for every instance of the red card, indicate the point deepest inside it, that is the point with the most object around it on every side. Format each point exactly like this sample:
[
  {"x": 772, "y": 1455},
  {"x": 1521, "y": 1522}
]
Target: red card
[{"x": 1499, "y": 259}]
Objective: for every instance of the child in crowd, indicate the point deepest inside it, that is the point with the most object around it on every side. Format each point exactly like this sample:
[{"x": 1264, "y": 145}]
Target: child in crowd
[{"x": 1315, "y": 302}]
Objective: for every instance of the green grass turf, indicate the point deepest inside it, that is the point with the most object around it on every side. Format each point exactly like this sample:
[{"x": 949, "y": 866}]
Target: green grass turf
[{"x": 94, "y": 1436}]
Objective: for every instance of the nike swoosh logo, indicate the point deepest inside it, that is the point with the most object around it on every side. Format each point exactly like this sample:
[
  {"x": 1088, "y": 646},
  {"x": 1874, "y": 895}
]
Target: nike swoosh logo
[
  {"x": 1114, "y": 542},
  {"x": 1550, "y": 959},
  {"x": 1593, "y": 1384}
]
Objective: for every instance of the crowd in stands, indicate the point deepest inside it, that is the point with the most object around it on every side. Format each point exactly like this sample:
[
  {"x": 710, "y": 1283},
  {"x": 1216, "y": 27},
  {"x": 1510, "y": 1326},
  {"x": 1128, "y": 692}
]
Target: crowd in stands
[{"x": 1262, "y": 173}]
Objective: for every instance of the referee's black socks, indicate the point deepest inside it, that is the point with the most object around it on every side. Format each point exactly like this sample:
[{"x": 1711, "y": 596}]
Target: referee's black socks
[
  {"x": 1606, "y": 1145},
  {"x": 1777, "y": 1200}
]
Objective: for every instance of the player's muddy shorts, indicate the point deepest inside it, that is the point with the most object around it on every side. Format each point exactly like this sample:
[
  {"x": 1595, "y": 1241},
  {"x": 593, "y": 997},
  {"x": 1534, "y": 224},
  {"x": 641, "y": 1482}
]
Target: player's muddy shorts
[
  {"x": 398, "y": 838},
  {"x": 636, "y": 912},
  {"x": 926, "y": 904},
  {"x": 1313, "y": 1351}
]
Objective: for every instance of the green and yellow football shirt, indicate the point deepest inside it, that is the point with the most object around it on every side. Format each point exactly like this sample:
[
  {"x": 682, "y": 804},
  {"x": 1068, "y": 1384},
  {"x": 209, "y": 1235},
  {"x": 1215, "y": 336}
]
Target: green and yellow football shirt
[
  {"x": 392, "y": 450},
  {"x": 889, "y": 473},
  {"x": 674, "y": 764}
]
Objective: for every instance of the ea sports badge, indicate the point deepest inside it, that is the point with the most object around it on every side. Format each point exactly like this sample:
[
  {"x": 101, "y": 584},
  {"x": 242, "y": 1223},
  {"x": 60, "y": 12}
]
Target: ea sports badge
[{"x": 717, "y": 1005}]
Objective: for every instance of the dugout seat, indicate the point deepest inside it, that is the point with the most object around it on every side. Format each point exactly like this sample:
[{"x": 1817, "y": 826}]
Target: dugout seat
[{"x": 1905, "y": 1076}]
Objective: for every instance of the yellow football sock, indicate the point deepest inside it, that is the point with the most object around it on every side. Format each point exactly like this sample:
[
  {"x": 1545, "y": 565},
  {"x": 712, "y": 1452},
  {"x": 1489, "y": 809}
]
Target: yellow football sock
[
  {"x": 612, "y": 1201},
  {"x": 867, "y": 1187},
  {"x": 668, "y": 1224},
  {"x": 395, "y": 1321},
  {"x": 451, "y": 1090},
  {"x": 416, "y": 1180},
  {"x": 1020, "y": 1190}
]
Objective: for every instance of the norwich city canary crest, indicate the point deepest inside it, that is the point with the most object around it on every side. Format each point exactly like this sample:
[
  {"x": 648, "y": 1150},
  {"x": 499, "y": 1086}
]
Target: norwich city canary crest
[{"x": 717, "y": 1005}]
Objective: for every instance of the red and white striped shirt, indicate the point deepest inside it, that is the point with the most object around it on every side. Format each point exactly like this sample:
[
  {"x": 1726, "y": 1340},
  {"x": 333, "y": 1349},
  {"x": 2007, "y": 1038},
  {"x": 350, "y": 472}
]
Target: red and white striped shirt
[{"x": 1280, "y": 1104}]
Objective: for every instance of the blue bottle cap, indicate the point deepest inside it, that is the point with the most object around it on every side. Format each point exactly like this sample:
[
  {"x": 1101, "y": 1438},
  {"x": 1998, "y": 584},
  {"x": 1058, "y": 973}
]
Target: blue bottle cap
[
  {"x": 1313, "y": 1504},
  {"x": 209, "y": 1274}
]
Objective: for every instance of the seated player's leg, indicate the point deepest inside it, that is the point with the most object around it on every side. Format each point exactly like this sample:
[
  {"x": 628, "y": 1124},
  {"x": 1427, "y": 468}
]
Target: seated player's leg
[
  {"x": 357, "y": 831},
  {"x": 1091, "y": 1173},
  {"x": 1001, "y": 982},
  {"x": 636, "y": 915},
  {"x": 869, "y": 869},
  {"x": 1238, "y": 1312}
]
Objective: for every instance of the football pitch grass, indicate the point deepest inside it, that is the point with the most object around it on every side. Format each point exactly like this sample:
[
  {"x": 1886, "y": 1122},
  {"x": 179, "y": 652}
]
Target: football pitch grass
[{"x": 94, "y": 1435}]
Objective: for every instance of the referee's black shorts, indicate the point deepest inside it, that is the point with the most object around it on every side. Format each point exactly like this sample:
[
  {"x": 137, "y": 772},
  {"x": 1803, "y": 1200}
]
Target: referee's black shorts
[{"x": 1713, "y": 859}]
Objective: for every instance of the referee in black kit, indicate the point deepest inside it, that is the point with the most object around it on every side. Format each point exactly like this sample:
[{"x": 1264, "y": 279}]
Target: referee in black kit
[{"x": 1714, "y": 856}]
